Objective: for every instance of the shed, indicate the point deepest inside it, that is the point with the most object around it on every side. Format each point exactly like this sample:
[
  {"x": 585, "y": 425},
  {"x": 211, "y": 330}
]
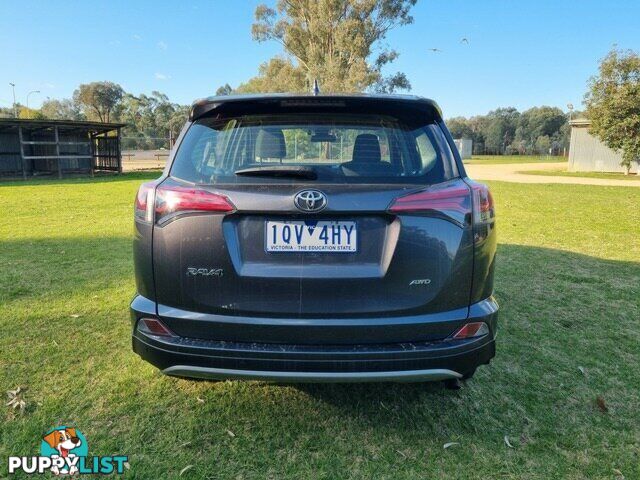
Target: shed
[
  {"x": 465, "y": 147},
  {"x": 32, "y": 148},
  {"x": 588, "y": 154}
]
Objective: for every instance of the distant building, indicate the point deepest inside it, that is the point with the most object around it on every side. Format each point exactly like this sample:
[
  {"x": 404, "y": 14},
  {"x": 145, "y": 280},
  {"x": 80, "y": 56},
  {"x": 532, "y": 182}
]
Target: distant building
[
  {"x": 588, "y": 154},
  {"x": 465, "y": 147},
  {"x": 33, "y": 148}
]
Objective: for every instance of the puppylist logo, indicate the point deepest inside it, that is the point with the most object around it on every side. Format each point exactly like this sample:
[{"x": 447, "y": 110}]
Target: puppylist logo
[{"x": 64, "y": 451}]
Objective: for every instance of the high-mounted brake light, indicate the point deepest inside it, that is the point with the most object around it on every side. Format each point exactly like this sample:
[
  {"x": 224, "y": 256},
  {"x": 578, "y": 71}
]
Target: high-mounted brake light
[
  {"x": 451, "y": 200},
  {"x": 174, "y": 199},
  {"x": 143, "y": 207},
  {"x": 471, "y": 330}
]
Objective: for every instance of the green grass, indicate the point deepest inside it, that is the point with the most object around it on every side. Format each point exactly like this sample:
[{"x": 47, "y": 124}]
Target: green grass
[
  {"x": 508, "y": 159},
  {"x": 568, "y": 280},
  {"x": 563, "y": 173}
]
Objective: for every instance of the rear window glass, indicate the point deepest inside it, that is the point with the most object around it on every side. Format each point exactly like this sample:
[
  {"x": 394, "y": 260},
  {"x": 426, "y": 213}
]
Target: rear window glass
[{"x": 338, "y": 148}]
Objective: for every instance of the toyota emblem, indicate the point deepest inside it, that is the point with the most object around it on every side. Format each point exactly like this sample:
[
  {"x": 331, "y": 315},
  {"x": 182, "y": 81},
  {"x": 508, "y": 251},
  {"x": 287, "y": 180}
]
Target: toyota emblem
[{"x": 310, "y": 200}]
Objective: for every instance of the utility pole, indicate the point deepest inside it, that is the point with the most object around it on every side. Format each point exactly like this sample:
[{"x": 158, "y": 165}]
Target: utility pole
[
  {"x": 570, "y": 107},
  {"x": 15, "y": 112}
]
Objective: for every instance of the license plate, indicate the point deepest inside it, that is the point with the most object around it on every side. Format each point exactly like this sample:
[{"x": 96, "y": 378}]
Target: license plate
[{"x": 311, "y": 236}]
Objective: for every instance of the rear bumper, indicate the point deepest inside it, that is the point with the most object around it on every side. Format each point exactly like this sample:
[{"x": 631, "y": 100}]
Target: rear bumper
[{"x": 422, "y": 360}]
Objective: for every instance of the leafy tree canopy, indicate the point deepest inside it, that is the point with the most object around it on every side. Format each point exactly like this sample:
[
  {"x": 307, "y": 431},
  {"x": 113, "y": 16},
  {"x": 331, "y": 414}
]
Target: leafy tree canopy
[
  {"x": 333, "y": 41},
  {"x": 98, "y": 100},
  {"x": 613, "y": 104},
  {"x": 506, "y": 130},
  {"x": 224, "y": 90},
  {"x": 65, "y": 109}
]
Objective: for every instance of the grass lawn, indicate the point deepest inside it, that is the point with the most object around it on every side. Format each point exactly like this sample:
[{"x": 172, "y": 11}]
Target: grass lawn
[
  {"x": 504, "y": 159},
  {"x": 568, "y": 281},
  {"x": 564, "y": 173}
]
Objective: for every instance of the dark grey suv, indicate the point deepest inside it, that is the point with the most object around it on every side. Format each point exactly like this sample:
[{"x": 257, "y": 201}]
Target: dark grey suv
[{"x": 315, "y": 238}]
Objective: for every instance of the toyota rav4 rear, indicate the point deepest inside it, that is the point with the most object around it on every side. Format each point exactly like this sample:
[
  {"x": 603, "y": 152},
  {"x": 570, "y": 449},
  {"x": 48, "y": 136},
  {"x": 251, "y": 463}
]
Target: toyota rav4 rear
[{"x": 315, "y": 238}]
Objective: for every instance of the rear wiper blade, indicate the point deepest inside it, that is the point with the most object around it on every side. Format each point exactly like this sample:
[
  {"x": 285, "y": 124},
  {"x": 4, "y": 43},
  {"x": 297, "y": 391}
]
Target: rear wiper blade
[{"x": 280, "y": 171}]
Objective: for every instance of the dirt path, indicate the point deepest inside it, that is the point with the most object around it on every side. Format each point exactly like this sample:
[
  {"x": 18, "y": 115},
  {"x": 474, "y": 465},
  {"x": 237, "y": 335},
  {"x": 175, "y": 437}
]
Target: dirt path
[
  {"x": 131, "y": 165},
  {"x": 511, "y": 173}
]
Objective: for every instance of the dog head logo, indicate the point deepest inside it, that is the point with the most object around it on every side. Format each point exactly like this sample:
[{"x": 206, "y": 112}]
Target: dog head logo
[
  {"x": 65, "y": 443},
  {"x": 63, "y": 440}
]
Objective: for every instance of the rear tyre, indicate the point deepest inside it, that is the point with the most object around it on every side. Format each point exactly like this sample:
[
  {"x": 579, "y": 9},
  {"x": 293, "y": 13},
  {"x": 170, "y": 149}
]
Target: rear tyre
[
  {"x": 452, "y": 384},
  {"x": 469, "y": 374}
]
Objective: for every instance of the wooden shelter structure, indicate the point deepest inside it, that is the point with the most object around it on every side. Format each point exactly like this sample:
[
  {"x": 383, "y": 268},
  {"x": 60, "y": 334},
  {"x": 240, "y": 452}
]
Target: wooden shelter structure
[{"x": 34, "y": 148}]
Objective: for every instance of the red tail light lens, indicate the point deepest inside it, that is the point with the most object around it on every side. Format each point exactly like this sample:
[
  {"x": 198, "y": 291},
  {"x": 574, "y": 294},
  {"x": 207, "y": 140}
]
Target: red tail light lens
[
  {"x": 484, "y": 214},
  {"x": 483, "y": 208},
  {"x": 174, "y": 199},
  {"x": 470, "y": 330},
  {"x": 143, "y": 206},
  {"x": 153, "y": 326},
  {"x": 451, "y": 200}
]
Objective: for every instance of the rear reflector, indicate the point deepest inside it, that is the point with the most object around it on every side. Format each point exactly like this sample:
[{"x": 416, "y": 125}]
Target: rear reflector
[
  {"x": 154, "y": 326},
  {"x": 451, "y": 200},
  {"x": 173, "y": 199},
  {"x": 470, "y": 330}
]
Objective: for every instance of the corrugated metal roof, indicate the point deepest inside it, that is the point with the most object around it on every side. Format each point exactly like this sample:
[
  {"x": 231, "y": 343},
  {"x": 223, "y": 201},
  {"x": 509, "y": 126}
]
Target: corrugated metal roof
[
  {"x": 60, "y": 123},
  {"x": 580, "y": 122}
]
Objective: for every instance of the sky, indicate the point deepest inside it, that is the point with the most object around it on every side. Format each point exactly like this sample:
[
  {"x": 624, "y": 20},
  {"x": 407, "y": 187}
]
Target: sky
[{"x": 519, "y": 53}]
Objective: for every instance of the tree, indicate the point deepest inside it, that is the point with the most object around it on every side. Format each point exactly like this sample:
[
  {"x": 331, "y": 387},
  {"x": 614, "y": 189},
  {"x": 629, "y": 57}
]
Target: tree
[
  {"x": 505, "y": 130},
  {"x": 224, "y": 90},
  {"x": 500, "y": 129},
  {"x": 333, "y": 41},
  {"x": 613, "y": 104},
  {"x": 65, "y": 109},
  {"x": 460, "y": 128},
  {"x": 32, "y": 113},
  {"x": 99, "y": 99},
  {"x": 276, "y": 75},
  {"x": 152, "y": 120},
  {"x": 539, "y": 122}
]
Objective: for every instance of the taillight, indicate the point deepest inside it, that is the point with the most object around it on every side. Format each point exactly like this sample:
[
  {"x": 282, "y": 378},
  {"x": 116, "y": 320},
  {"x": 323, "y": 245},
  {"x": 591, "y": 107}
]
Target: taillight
[
  {"x": 175, "y": 199},
  {"x": 470, "y": 330},
  {"x": 484, "y": 214},
  {"x": 483, "y": 208},
  {"x": 450, "y": 200},
  {"x": 143, "y": 207},
  {"x": 153, "y": 326}
]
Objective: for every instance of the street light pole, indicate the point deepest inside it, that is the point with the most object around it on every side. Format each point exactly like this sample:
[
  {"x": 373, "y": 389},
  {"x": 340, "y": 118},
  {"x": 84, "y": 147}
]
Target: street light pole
[
  {"x": 13, "y": 86},
  {"x": 33, "y": 91}
]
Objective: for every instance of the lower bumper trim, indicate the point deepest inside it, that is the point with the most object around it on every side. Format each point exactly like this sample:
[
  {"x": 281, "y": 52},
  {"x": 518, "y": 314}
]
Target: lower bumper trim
[{"x": 209, "y": 373}]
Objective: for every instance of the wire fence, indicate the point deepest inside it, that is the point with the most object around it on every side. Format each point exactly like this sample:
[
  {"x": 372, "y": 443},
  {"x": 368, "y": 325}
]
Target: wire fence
[{"x": 146, "y": 143}]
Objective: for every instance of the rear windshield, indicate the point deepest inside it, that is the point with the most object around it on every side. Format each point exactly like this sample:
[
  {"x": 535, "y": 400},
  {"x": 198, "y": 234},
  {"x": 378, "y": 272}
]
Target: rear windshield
[{"x": 335, "y": 148}]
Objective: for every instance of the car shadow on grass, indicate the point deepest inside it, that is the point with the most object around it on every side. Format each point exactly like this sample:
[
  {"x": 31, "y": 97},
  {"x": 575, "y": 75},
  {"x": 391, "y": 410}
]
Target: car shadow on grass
[{"x": 559, "y": 311}]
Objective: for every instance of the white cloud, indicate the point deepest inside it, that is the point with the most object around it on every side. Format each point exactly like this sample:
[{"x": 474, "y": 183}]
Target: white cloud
[
  {"x": 114, "y": 43},
  {"x": 162, "y": 76},
  {"x": 162, "y": 45},
  {"x": 135, "y": 36}
]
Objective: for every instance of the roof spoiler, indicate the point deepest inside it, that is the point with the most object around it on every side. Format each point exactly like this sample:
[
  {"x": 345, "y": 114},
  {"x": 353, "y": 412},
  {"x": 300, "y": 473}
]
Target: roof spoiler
[{"x": 395, "y": 105}]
